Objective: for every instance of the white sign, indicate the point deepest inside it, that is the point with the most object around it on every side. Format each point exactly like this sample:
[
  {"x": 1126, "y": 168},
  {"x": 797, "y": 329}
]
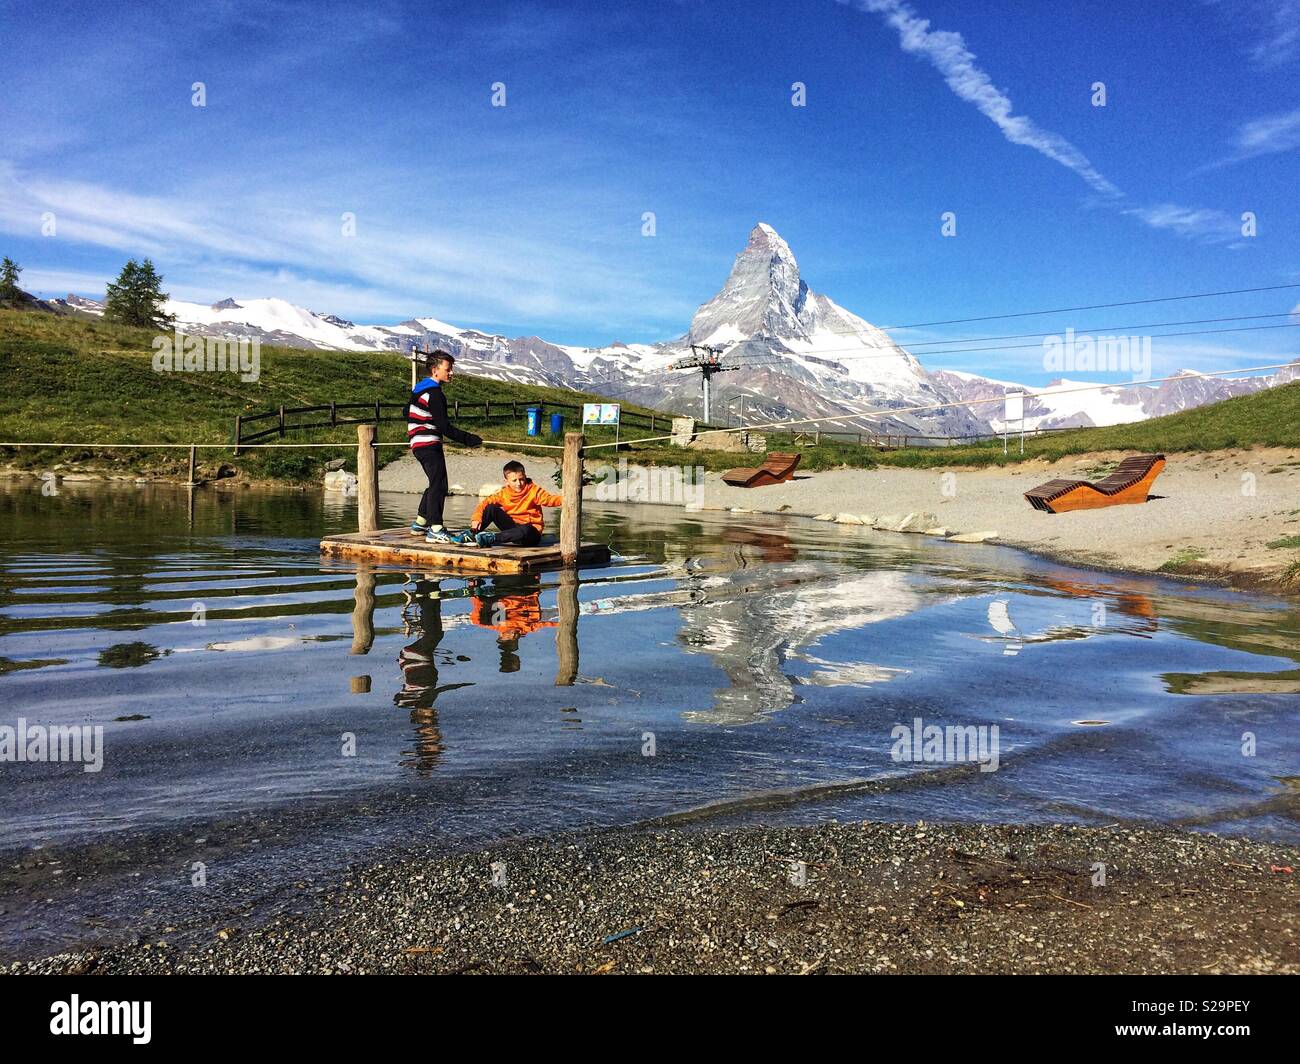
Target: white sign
[
  {"x": 600, "y": 413},
  {"x": 1015, "y": 406}
]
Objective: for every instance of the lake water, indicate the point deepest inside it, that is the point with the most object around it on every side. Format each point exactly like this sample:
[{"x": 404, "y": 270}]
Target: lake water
[{"x": 269, "y": 720}]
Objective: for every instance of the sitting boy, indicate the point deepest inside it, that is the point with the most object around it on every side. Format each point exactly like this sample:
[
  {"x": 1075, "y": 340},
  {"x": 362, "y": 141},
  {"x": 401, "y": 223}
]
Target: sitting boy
[{"x": 516, "y": 510}]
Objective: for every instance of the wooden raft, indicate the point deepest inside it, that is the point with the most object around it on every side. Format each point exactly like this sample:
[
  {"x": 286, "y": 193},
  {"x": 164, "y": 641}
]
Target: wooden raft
[
  {"x": 1130, "y": 483},
  {"x": 398, "y": 546}
]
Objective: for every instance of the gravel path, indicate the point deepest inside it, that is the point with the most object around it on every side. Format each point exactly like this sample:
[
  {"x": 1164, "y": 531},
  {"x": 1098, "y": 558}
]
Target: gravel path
[{"x": 885, "y": 898}]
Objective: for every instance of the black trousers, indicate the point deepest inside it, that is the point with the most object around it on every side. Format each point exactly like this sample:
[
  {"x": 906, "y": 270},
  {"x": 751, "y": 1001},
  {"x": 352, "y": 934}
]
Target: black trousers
[
  {"x": 511, "y": 532},
  {"x": 434, "y": 463}
]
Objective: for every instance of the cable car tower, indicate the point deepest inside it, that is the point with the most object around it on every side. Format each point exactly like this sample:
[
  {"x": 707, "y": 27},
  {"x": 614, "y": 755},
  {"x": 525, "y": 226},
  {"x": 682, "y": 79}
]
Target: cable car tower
[{"x": 708, "y": 360}]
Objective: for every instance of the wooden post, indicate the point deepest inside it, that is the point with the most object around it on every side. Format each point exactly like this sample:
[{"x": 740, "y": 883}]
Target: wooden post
[
  {"x": 363, "y": 612},
  {"x": 281, "y": 422},
  {"x": 566, "y": 632},
  {"x": 191, "y": 479},
  {"x": 571, "y": 512},
  {"x": 239, "y": 418},
  {"x": 367, "y": 480},
  {"x": 415, "y": 378}
]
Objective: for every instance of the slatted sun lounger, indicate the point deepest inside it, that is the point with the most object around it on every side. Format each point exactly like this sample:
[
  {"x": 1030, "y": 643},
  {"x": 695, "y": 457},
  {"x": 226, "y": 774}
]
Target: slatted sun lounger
[
  {"x": 1129, "y": 483},
  {"x": 775, "y": 470}
]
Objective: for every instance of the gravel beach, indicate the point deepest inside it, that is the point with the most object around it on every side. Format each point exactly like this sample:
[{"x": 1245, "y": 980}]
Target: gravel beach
[
  {"x": 853, "y": 898},
  {"x": 1211, "y": 517}
]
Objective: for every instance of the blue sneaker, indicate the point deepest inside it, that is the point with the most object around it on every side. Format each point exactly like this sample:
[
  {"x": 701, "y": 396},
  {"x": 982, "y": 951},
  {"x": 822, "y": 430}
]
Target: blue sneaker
[
  {"x": 485, "y": 538},
  {"x": 463, "y": 538},
  {"x": 439, "y": 535},
  {"x": 418, "y": 529}
]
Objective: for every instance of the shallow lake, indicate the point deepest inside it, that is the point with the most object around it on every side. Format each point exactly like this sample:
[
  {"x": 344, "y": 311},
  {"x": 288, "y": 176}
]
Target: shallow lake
[{"x": 268, "y": 720}]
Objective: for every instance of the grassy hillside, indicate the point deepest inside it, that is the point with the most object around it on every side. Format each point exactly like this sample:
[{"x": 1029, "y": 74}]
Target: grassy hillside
[
  {"x": 70, "y": 380},
  {"x": 73, "y": 380},
  {"x": 1266, "y": 419}
]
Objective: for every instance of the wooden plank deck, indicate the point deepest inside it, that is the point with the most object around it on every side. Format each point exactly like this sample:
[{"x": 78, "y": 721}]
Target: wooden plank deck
[{"x": 398, "y": 546}]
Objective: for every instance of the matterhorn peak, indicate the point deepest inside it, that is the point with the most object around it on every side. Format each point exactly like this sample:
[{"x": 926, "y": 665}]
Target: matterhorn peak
[{"x": 763, "y": 295}]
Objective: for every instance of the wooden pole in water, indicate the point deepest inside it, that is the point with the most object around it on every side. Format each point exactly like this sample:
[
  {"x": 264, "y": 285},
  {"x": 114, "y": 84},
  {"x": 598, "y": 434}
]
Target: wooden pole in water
[
  {"x": 367, "y": 480},
  {"x": 191, "y": 481},
  {"x": 363, "y": 613},
  {"x": 571, "y": 512},
  {"x": 566, "y": 633}
]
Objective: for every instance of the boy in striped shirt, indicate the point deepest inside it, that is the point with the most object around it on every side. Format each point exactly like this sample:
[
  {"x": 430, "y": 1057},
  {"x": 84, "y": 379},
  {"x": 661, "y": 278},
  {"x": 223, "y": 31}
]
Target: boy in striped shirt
[{"x": 427, "y": 426}]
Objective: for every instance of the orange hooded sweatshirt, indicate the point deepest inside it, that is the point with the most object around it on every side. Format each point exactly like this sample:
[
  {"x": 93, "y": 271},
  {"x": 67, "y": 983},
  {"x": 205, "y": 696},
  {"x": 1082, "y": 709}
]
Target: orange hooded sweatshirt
[{"x": 525, "y": 507}]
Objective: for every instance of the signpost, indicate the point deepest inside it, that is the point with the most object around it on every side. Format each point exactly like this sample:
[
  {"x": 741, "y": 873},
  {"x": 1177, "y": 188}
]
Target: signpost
[{"x": 602, "y": 414}]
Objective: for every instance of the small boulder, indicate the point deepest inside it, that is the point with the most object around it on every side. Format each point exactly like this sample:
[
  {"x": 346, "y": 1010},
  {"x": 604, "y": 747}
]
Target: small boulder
[
  {"x": 972, "y": 537},
  {"x": 488, "y": 489},
  {"x": 848, "y": 519},
  {"x": 916, "y": 522},
  {"x": 335, "y": 463},
  {"x": 824, "y": 517},
  {"x": 340, "y": 480},
  {"x": 941, "y": 532}
]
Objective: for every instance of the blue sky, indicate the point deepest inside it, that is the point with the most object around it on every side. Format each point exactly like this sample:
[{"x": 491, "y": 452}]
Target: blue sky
[{"x": 528, "y": 218}]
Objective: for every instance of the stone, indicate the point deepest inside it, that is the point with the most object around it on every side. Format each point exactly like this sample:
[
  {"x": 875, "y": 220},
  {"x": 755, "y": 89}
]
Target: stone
[
  {"x": 683, "y": 431},
  {"x": 886, "y": 522},
  {"x": 972, "y": 537},
  {"x": 719, "y": 441},
  {"x": 336, "y": 463},
  {"x": 941, "y": 532},
  {"x": 457, "y": 489},
  {"x": 49, "y": 476},
  {"x": 917, "y": 522},
  {"x": 488, "y": 489},
  {"x": 340, "y": 480},
  {"x": 848, "y": 519},
  {"x": 824, "y": 517}
]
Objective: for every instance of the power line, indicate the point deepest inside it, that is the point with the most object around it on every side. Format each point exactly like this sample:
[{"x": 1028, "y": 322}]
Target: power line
[
  {"x": 1093, "y": 306},
  {"x": 1017, "y": 347}
]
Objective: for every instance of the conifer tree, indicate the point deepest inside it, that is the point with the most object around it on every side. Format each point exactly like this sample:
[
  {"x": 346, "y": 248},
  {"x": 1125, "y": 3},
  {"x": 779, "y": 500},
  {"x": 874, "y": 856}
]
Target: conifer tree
[{"x": 137, "y": 298}]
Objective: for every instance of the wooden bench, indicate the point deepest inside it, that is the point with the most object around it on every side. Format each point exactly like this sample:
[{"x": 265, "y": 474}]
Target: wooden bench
[
  {"x": 1129, "y": 483},
  {"x": 777, "y": 469}
]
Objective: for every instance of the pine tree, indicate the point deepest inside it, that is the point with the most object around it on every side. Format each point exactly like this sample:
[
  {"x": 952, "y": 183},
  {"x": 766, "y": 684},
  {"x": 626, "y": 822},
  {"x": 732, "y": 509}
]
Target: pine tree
[
  {"x": 10, "y": 293},
  {"x": 136, "y": 298}
]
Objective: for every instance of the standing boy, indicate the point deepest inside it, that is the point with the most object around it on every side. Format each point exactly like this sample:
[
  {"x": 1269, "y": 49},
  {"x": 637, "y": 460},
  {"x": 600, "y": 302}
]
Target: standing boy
[
  {"x": 426, "y": 427},
  {"x": 516, "y": 509}
]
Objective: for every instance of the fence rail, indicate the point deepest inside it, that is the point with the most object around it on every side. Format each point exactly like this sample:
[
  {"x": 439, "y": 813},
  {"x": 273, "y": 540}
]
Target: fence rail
[{"x": 381, "y": 411}]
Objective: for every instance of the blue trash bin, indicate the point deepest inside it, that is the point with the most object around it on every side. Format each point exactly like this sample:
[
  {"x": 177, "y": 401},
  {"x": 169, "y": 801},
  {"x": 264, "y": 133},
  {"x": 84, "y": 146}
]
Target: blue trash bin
[
  {"x": 557, "y": 424},
  {"x": 534, "y": 420}
]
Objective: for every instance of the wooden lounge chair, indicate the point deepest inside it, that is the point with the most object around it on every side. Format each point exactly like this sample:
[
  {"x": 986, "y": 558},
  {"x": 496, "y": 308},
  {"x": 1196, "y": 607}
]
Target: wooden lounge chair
[
  {"x": 776, "y": 469},
  {"x": 1130, "y": 483}
]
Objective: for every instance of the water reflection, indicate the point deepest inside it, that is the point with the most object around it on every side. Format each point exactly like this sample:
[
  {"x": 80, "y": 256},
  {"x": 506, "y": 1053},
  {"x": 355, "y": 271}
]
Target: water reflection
[{"x": 418, "y": 660}]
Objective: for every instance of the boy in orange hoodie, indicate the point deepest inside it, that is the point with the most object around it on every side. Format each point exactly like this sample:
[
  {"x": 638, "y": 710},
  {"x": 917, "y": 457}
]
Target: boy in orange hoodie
[{"x": 516, "y": 510}]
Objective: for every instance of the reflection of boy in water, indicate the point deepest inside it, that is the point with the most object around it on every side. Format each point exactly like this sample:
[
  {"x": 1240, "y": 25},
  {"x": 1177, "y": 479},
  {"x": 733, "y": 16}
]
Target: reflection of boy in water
[
  {"x": 511, "y": 616},
  {"x": 419, "y": 664}
]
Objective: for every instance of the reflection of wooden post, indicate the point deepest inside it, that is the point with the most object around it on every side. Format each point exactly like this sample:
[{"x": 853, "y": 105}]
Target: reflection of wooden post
[
  {"x": 363, "y": 612},
  {"x": 191, "y": 479},
  {"x": 571, "y": 513},
  {"x": 566, "y": 635},
  {"x": 367, "y": 480}
]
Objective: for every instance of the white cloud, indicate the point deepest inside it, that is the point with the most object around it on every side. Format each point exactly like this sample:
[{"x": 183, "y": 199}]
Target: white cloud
[
  {"x": 1274, "y": 25},
  {"x": 243, "y": 244},
  {"x": 947, "y": 52}
]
